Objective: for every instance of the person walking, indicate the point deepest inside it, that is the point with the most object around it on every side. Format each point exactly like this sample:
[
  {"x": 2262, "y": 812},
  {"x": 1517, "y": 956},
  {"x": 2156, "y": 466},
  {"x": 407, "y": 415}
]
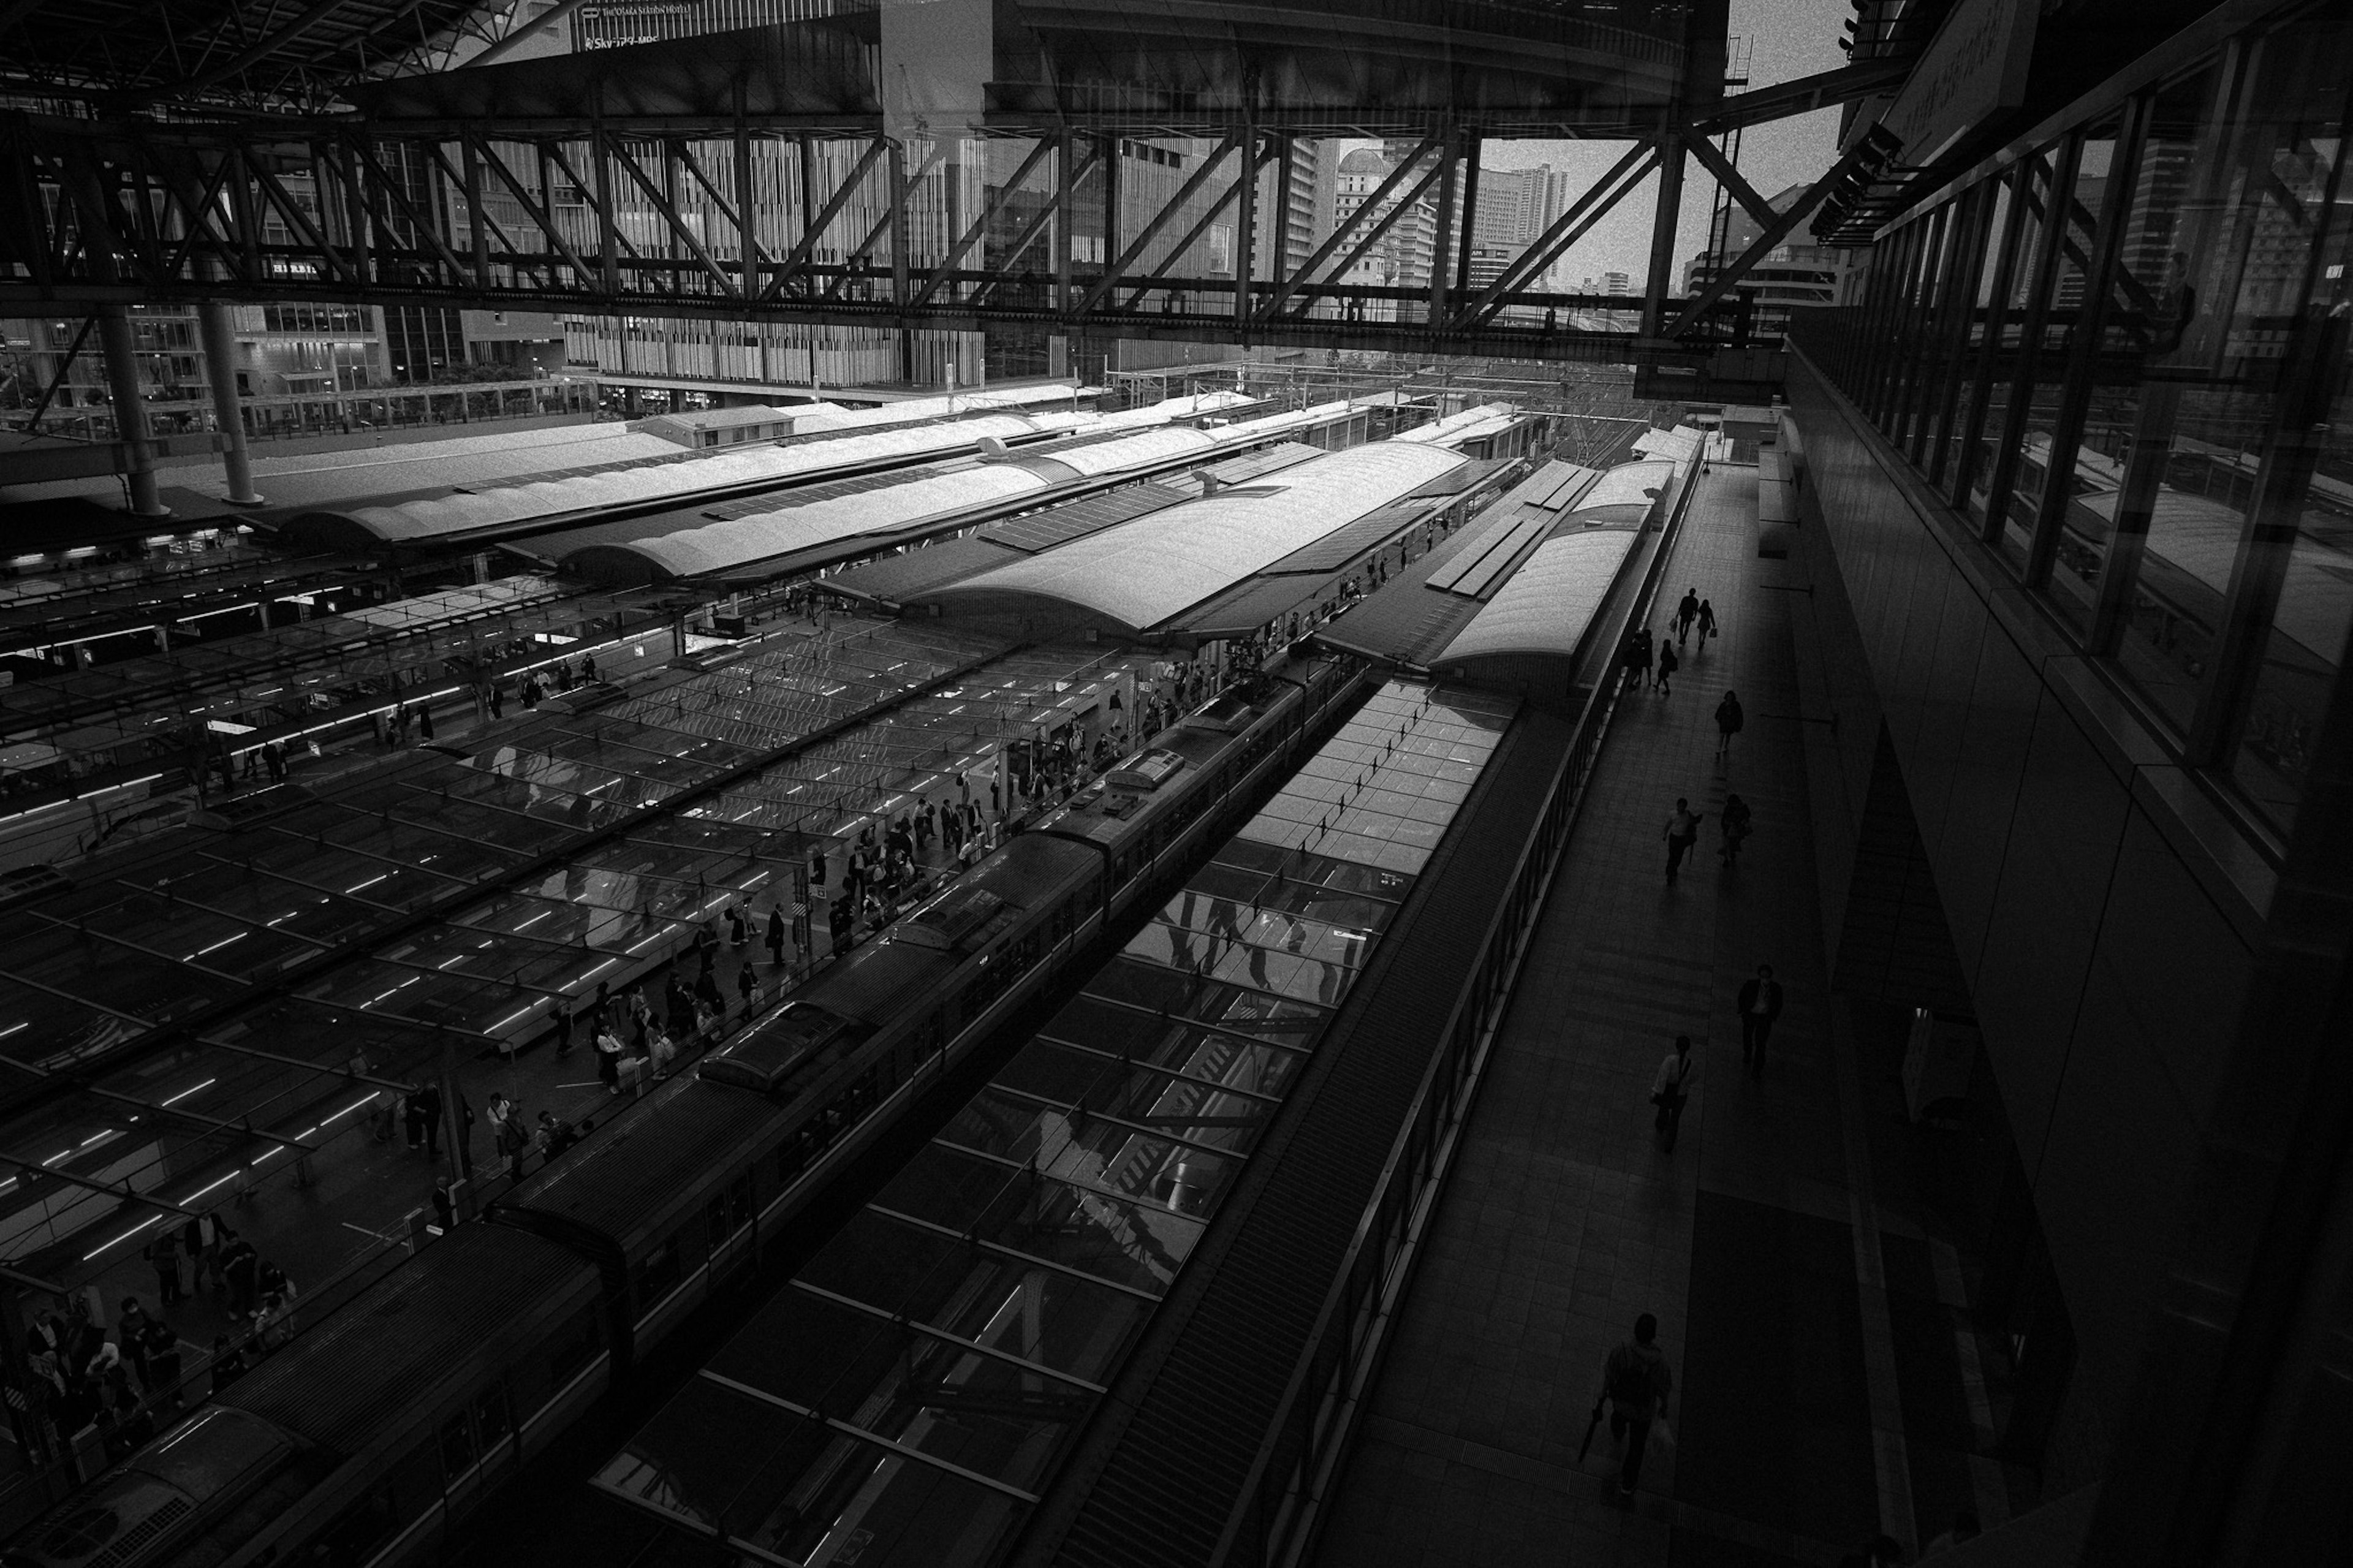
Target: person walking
[
  {"x": 1668, "y": 664},
  {"x": 1687, "y": 612},
  {"x": 1636, "y": 1382},
  {"x": 1734, "y": 822},
  {"x": 1759, "y": 1003},
  {"x": 1643, "y": 654},
  {"x": 1630, "y": 658},
  {"x": 1670, "y": 1091},
  {"x": 747, "y": 987},
  {"x": 1681, "y": 833},
  {"x": 1705, "y": 623},
  {"x": 1728, "y": 721}
]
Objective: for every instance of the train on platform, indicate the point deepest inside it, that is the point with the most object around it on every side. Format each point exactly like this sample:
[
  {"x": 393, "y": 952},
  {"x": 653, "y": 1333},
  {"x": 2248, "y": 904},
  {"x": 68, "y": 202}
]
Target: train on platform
[{"x": 366, "y": 1440}]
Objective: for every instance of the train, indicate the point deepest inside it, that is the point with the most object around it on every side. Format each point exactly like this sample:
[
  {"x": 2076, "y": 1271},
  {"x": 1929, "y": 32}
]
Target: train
[{"x": 369, "y": 1437}]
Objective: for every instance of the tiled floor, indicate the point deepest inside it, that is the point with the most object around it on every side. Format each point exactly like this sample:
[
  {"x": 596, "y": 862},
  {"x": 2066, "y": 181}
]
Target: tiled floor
[{"x": 1563, "y": 1220}]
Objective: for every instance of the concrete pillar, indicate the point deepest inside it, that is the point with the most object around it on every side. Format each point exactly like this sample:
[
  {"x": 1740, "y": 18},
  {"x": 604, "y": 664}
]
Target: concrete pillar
[
  {"x": 129, "y": 413},
  {"x": 220, "y": 365}
]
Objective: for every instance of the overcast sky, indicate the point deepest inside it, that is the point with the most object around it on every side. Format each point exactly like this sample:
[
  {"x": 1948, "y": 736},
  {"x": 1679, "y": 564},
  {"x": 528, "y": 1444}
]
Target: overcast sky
[{"x": 1789, "y": 38}]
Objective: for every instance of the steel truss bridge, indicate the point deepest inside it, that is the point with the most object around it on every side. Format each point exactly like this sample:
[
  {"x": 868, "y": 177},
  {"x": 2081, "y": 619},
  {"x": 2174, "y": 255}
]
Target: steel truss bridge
[{"x": 780, "y": 175}]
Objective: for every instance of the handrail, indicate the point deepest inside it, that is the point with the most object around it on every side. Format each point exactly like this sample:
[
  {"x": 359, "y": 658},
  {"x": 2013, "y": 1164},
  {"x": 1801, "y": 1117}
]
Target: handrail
[{"x": 1275, "y": 1517}]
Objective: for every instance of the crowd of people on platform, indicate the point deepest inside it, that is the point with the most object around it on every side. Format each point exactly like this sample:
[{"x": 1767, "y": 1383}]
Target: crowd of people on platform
[{"x": 86, "y": 1379}]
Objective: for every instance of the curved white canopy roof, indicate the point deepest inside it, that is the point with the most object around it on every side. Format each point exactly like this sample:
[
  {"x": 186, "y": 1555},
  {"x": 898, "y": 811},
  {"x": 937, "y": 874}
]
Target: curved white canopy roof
[
  {"x": 1471, "y": 423},
  {"x": 1549, "y": 602},
  {"x": 792, "y": 526},
  {"x": 1142, "y": 573},
  {"x": 1628, "y": 484},
  {"x": 726, "y": 467}
]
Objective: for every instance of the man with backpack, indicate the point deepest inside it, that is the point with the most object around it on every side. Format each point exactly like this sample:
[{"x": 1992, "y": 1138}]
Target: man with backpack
[{"x": 1636, "y": 1383}]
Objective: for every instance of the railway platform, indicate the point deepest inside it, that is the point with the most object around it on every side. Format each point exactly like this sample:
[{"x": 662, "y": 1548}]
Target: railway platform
[{"x": 1826, "y": 1374}]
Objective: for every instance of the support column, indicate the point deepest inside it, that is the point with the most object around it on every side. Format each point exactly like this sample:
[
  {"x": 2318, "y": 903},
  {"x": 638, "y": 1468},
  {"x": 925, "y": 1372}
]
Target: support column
[
  {"x": 1663, "y": 235},
  {"x": 220, "y": 367},
  {"x": 129, "y": 413}
]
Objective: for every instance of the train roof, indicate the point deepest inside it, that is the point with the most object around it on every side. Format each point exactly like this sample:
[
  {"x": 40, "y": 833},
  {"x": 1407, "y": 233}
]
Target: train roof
[
  {"x": 625, "y": 1181},
  {"x": 482, "y": 1292}
]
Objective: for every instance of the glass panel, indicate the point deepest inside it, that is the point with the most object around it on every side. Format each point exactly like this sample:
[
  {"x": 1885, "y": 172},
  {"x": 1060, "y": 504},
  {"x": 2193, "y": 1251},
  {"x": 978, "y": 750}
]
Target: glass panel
[
  {"x": 2128, "y": 535},
  {"x": 2048, "y": 368},
  {"x": 2005, "y": 330},
  {"x": 1969, "y": 333},
  {"x": 2301, "y": 82}
]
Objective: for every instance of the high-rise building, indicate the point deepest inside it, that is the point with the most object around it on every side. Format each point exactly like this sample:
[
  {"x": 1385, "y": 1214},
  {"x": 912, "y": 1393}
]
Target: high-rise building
[{"x": 1404, "y": 255}]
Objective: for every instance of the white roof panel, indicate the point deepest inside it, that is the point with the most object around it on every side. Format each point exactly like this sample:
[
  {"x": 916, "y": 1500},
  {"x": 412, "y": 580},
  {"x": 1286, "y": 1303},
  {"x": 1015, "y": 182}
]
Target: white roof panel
[
  {"x": 1628, "y": 484},
  {"x": 723, "y": 546},
  {"x": 1484, "y": 420},
  {"x": 322, "y": 479},
  {"x": 1550, "y": 600},
  {"x": 1142, "y": 573},
  {"x": 691, "y": 476}
]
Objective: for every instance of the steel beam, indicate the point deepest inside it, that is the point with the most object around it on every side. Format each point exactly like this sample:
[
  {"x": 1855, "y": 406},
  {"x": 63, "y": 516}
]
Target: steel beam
[
  {"x": 1774, "y": 232},
  {"x": 1727, "y": 176},
  {"x": 1597, "y": 201},
  {"x": 1116, "y": 270},
  {"x": 1341, "y": 231}
]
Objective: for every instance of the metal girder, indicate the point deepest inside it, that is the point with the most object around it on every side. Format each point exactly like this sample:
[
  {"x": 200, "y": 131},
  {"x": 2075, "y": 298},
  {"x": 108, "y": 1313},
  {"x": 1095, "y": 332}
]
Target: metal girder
[
  {"x": 144, "y": 212},
  {"x": 1341, "y": 231},
  {"x": 560, "y": 12},
  {"x": 1740, "y": 190},
  {"x": 253, "y": 54},
  {"x": 797, "y": 260},
  {"x": 1058, "y": 204},
  {"x": 979, "y": 227},
  {"x": 1803, "y": 96},
  {"x": 1135, "y": 252},
  {"x": 678, "y": 227},
  {"x": 1597, "y": 200},
  {"x": 157, "y": 1108},
  {"x": 1774, "y": 232},
  {"x": 1245, "y": 181},
  {"x": 1388, "y": 219},
  {"x": 1595, "y": 203},
  {"x": 126, "y": 1192}
]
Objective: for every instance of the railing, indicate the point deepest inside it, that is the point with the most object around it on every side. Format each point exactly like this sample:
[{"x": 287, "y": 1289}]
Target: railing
[{"x": 1275, "y": 1520}]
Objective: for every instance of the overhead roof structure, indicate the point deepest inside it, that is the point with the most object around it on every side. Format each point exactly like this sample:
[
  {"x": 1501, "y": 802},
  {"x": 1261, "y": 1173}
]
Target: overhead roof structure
[
  {"x": 326, "y": 479},
  {"x": 665, "y": 472},
  {"x": 1508, "y": 599},
  {"x": 713, "y": 546},
  {"x": 1548, "y": 606},
  {"x": 1142, "y": 573},
  {"x": 1468, "y": 425}
]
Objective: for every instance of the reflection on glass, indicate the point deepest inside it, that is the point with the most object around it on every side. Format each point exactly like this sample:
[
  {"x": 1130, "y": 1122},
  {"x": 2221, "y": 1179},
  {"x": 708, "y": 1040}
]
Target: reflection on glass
[
  {"x": 2009, "y": 296},
  {"x": 2297, "y": 577}
]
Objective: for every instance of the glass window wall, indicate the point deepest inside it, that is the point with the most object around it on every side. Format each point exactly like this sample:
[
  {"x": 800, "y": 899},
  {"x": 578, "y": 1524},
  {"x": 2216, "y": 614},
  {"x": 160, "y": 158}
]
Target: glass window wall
[{"x": 2144, "y": 415}]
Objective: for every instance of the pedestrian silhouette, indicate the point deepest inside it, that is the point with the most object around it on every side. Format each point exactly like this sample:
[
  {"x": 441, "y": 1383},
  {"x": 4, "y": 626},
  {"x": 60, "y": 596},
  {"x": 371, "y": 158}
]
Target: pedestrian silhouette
[
  {"x": 1759, "y": 1003},
  {"x": 1670, "y": 1091}
]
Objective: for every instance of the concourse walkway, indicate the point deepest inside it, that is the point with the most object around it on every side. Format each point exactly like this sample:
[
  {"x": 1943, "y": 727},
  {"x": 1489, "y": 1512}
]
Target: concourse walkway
[{"x": 1764, "y": 1244}]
